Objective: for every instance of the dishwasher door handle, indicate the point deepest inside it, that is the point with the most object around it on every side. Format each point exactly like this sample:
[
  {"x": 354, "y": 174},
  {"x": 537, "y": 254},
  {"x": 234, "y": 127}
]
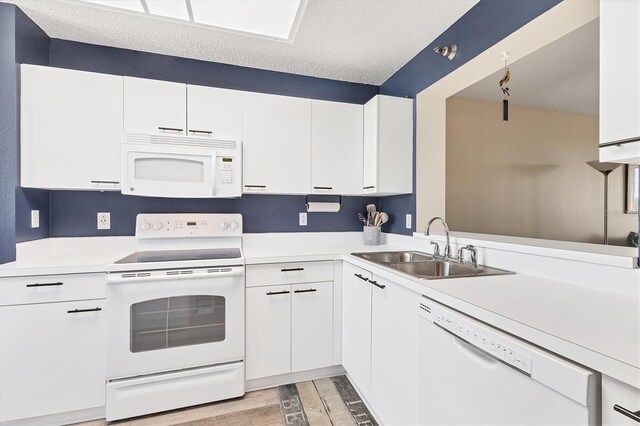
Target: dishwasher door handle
[{"x": 631, "y": 414}]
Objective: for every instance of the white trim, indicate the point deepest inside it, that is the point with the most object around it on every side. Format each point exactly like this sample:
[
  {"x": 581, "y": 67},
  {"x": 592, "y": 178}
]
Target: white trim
[
  {"x": 69, "y": 417},
  {"x": 301, "y": 376}
]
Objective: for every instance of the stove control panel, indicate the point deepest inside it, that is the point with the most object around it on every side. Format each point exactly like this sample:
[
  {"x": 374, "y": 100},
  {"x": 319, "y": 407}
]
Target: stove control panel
[{"x": 188, "y": 225}]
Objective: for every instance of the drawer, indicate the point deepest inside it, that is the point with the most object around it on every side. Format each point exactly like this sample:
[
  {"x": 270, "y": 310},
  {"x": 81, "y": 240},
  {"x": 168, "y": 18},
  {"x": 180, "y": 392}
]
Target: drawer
[
  {"x": 289, "y": 273},
  {"x": 51, "y": 288}
]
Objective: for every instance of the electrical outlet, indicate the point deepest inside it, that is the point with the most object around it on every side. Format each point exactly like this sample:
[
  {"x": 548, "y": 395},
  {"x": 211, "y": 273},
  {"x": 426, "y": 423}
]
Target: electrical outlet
[
  {"x": 35, "y": 218},
  {"x": 408, "y": 221},
  {"x": 303, "y": 219},
  {"x": 104, "y": 220}
]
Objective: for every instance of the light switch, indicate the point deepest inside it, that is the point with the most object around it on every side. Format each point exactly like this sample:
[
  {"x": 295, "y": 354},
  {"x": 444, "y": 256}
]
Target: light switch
[
  {"x": 303, "y": 219},
  {"x": 35, "y": 218},
  {"x": 408, "y": 221}
]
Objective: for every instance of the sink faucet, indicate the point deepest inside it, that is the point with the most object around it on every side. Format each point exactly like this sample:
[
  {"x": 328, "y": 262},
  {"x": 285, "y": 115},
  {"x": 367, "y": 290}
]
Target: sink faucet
[{"x": 447, "y": 248}]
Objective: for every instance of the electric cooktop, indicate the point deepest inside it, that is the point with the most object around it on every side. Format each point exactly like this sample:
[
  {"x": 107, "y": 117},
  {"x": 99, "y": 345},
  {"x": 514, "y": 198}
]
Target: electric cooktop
[{"x": 181, "y": 255}]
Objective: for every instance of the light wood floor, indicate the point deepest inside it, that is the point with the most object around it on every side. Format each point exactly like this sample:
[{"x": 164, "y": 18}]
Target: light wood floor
[{"x": 331, "y": 401}]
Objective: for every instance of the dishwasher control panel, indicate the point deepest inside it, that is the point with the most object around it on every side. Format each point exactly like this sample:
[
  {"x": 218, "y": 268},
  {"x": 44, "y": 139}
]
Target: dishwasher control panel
[{"x": 477, "y": 335}]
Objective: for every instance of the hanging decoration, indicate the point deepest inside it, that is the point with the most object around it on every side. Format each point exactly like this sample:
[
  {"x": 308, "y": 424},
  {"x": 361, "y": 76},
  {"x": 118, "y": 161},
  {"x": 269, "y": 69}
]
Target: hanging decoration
[{"x": 505, "y": 89}]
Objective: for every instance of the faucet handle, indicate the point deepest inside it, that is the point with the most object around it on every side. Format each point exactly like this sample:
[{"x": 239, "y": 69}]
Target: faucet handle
[
  {"x": 436, "y": 249},
  {"x": 474, "y": 255}
]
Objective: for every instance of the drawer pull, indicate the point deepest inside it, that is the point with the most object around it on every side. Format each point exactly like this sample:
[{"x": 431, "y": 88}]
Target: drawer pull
[
  {"x": 291, "y": 269},
  {"x": 273, "y": 293},
  {"x": 203, "y": 132},
  {"x": 305, "y": 291},
  {"x": 255, "y": 186},
  {"x": 323, "y": 187},
  {"x": 77, "y": 311},
  {"x": 110, "y": 182},
  {"x": 170, "y": 129},
  {"x": 44, "y": 284},
  {"x": 361, "y": 277},
  {"x": 368, "y": 187},
  {"x": 631, "y": 414},
  {"x": 376, "y": 284}
]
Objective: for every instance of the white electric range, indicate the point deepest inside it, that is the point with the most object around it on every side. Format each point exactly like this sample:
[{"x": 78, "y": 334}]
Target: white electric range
[{"x": 175, "y": 315}]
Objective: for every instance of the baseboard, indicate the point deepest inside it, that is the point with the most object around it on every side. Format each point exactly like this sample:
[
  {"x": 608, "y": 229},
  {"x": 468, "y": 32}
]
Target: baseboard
[
  {"x": 61, "y": 418},
  {"x": 301, "y": 376}
]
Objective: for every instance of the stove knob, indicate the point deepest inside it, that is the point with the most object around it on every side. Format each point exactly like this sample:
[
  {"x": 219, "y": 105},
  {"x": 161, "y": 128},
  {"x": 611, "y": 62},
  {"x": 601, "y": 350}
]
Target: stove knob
[
  {"x": 224, "y": 225},
  {"x": 234, "y": 225},
  {"x": 157, "y": 226},
  {"x": 145, "y": 226}
]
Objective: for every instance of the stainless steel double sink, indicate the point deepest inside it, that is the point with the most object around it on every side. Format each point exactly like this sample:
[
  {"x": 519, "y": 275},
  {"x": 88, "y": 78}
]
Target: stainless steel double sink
[{"x": 425, "y": 266}]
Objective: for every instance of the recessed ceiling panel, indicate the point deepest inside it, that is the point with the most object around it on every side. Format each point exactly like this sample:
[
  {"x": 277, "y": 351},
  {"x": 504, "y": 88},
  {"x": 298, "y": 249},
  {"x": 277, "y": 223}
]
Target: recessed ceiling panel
[{"x": 271, "y": 18}]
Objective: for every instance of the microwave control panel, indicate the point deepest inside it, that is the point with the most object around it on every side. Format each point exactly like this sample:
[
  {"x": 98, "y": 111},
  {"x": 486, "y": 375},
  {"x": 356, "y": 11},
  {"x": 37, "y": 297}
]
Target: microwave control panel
[{"x": 228, "y": 176}]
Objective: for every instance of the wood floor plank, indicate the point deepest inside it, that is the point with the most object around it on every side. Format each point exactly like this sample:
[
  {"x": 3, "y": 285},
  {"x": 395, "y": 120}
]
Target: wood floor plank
[
  {"x": 357, "y": 408},
  {"x": 312, "y": 403},
  {"x": 251, "y": 400},
  {"x": 333, "y": 403},
  {"x": 293, "y": 413},
  {"x": 263, "y": 416}
]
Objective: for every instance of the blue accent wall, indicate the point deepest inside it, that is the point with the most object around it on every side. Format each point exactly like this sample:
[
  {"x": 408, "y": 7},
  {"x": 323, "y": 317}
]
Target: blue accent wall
[
  {"x": 481, "y": 27},
  {"x": 20, "y": 41}
]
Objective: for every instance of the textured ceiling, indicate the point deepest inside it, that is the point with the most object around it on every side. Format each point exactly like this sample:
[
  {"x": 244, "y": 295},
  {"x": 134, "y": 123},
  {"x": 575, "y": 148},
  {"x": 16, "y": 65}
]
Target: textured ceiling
[
  {"x": 363, "y": 41},
  {"x": 562, "y": 76}
]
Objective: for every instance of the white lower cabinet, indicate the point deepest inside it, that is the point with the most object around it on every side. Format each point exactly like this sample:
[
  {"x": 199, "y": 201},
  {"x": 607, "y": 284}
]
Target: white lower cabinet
[
  {"x": 52, "y": 358},
  {"x": 289, "y": 326},
  {"x": 394, "y": 353},
  {"x": 616, "y": 394},
  {"x": 380, "y": 345},
  {"x": 356, "y": 326}
]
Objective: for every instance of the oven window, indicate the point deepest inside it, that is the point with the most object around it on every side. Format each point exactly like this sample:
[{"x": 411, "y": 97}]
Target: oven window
[
  {"x": 177, "y": 321},
  {"x": 169, "y": 169}
]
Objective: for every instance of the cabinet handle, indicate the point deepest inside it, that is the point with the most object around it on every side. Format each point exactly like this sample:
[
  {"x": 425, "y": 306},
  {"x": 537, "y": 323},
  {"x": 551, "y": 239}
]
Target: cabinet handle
[
  {"x": 368, "y": 187},
  {"x": 376, "y": 284},
  {"x": 273, "y": 293},
  {"x": 113, "y": 182},
  {"x": 291, "y": 269},
  {"x": 204, "y": 132},
  {"x": 170, "y": 129},
  {"x": 361, "y": 277},
  {"x": 305, "y": 291},
  {"x": 255, "y": 186},
  {"x": 77, "y": 311},
  {"x": 44, "y": 284},
  {"x": 323, "y": 187},
  {"x": 631, "y": 414}
]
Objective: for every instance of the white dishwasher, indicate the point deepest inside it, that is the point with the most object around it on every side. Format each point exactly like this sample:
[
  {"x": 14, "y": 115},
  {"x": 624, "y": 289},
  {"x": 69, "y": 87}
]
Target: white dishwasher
[{"x": 474, "y": 374}]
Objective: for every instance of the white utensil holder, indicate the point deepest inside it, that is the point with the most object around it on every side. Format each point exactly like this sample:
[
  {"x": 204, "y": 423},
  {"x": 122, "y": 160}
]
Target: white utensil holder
[{"x": 371, "y": 235}]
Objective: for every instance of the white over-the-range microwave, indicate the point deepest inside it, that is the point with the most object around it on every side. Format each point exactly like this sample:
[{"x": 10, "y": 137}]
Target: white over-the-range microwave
[{"x": 181, "y": 166}]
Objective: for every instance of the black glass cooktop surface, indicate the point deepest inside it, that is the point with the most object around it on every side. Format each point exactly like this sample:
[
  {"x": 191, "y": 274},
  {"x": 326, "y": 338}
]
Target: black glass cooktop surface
[{"x": 181, "y": 255}]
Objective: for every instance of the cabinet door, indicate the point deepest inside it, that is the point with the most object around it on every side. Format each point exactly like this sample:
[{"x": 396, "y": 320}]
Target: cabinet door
[
  {"x": 619, "y": 70},
  {"x": 356, "y": 327},
  {"x": 268, "y": 331},
  {"x": 370, "y": 153},
  {"x": 394, "y": 353},
  {"x": 71, "y": 129},
  {"x": 311, "y": 325},
  {"x": 214, "y": 113},
  {"x": 615, "y": 392},
  {"x": 336, "y": 148},
  {"x": 395, "y": 145},
  {"x": 51, "y": 359},
  {"x": 154, "y": 107},
  {"x": 277, "y": 144}
]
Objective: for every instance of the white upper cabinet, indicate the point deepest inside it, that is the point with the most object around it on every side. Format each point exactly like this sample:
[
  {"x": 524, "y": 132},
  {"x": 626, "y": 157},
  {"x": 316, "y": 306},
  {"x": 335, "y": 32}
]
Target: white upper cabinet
[
  {"x": 620, "y": 80},
  {"x": 215, "y": 113},
  {"x": 276, "y": 144},
  {"x": 336, "y": 148},
  {"x": 388, "y": 146},
  {"x": 154, "y": 107},
  {"x": 70, "y": 129}
]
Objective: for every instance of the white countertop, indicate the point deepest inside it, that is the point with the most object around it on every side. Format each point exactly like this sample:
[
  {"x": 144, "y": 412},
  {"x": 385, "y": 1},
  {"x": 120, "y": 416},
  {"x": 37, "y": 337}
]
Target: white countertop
[{"x": 596, "y": 328}]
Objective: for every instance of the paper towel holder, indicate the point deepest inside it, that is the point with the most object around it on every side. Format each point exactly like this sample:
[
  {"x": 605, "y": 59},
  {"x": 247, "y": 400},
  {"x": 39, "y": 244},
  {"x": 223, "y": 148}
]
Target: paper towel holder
[{"x": 322, "y": 205}]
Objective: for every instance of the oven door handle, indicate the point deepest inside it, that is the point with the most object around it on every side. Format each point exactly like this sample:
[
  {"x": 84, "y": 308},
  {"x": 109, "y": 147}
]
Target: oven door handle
[{"x": 136, "y": 277}]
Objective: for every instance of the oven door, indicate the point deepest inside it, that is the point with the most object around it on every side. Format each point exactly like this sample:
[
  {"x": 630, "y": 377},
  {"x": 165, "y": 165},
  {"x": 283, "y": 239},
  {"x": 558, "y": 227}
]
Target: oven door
[
  {"x": 170, "y": 320},
  {"x": 168, "y": 171}
]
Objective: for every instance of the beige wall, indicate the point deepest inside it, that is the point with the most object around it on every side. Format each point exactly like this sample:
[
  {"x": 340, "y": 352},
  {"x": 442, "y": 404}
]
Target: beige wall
[{"x": 527, "y": 177}]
